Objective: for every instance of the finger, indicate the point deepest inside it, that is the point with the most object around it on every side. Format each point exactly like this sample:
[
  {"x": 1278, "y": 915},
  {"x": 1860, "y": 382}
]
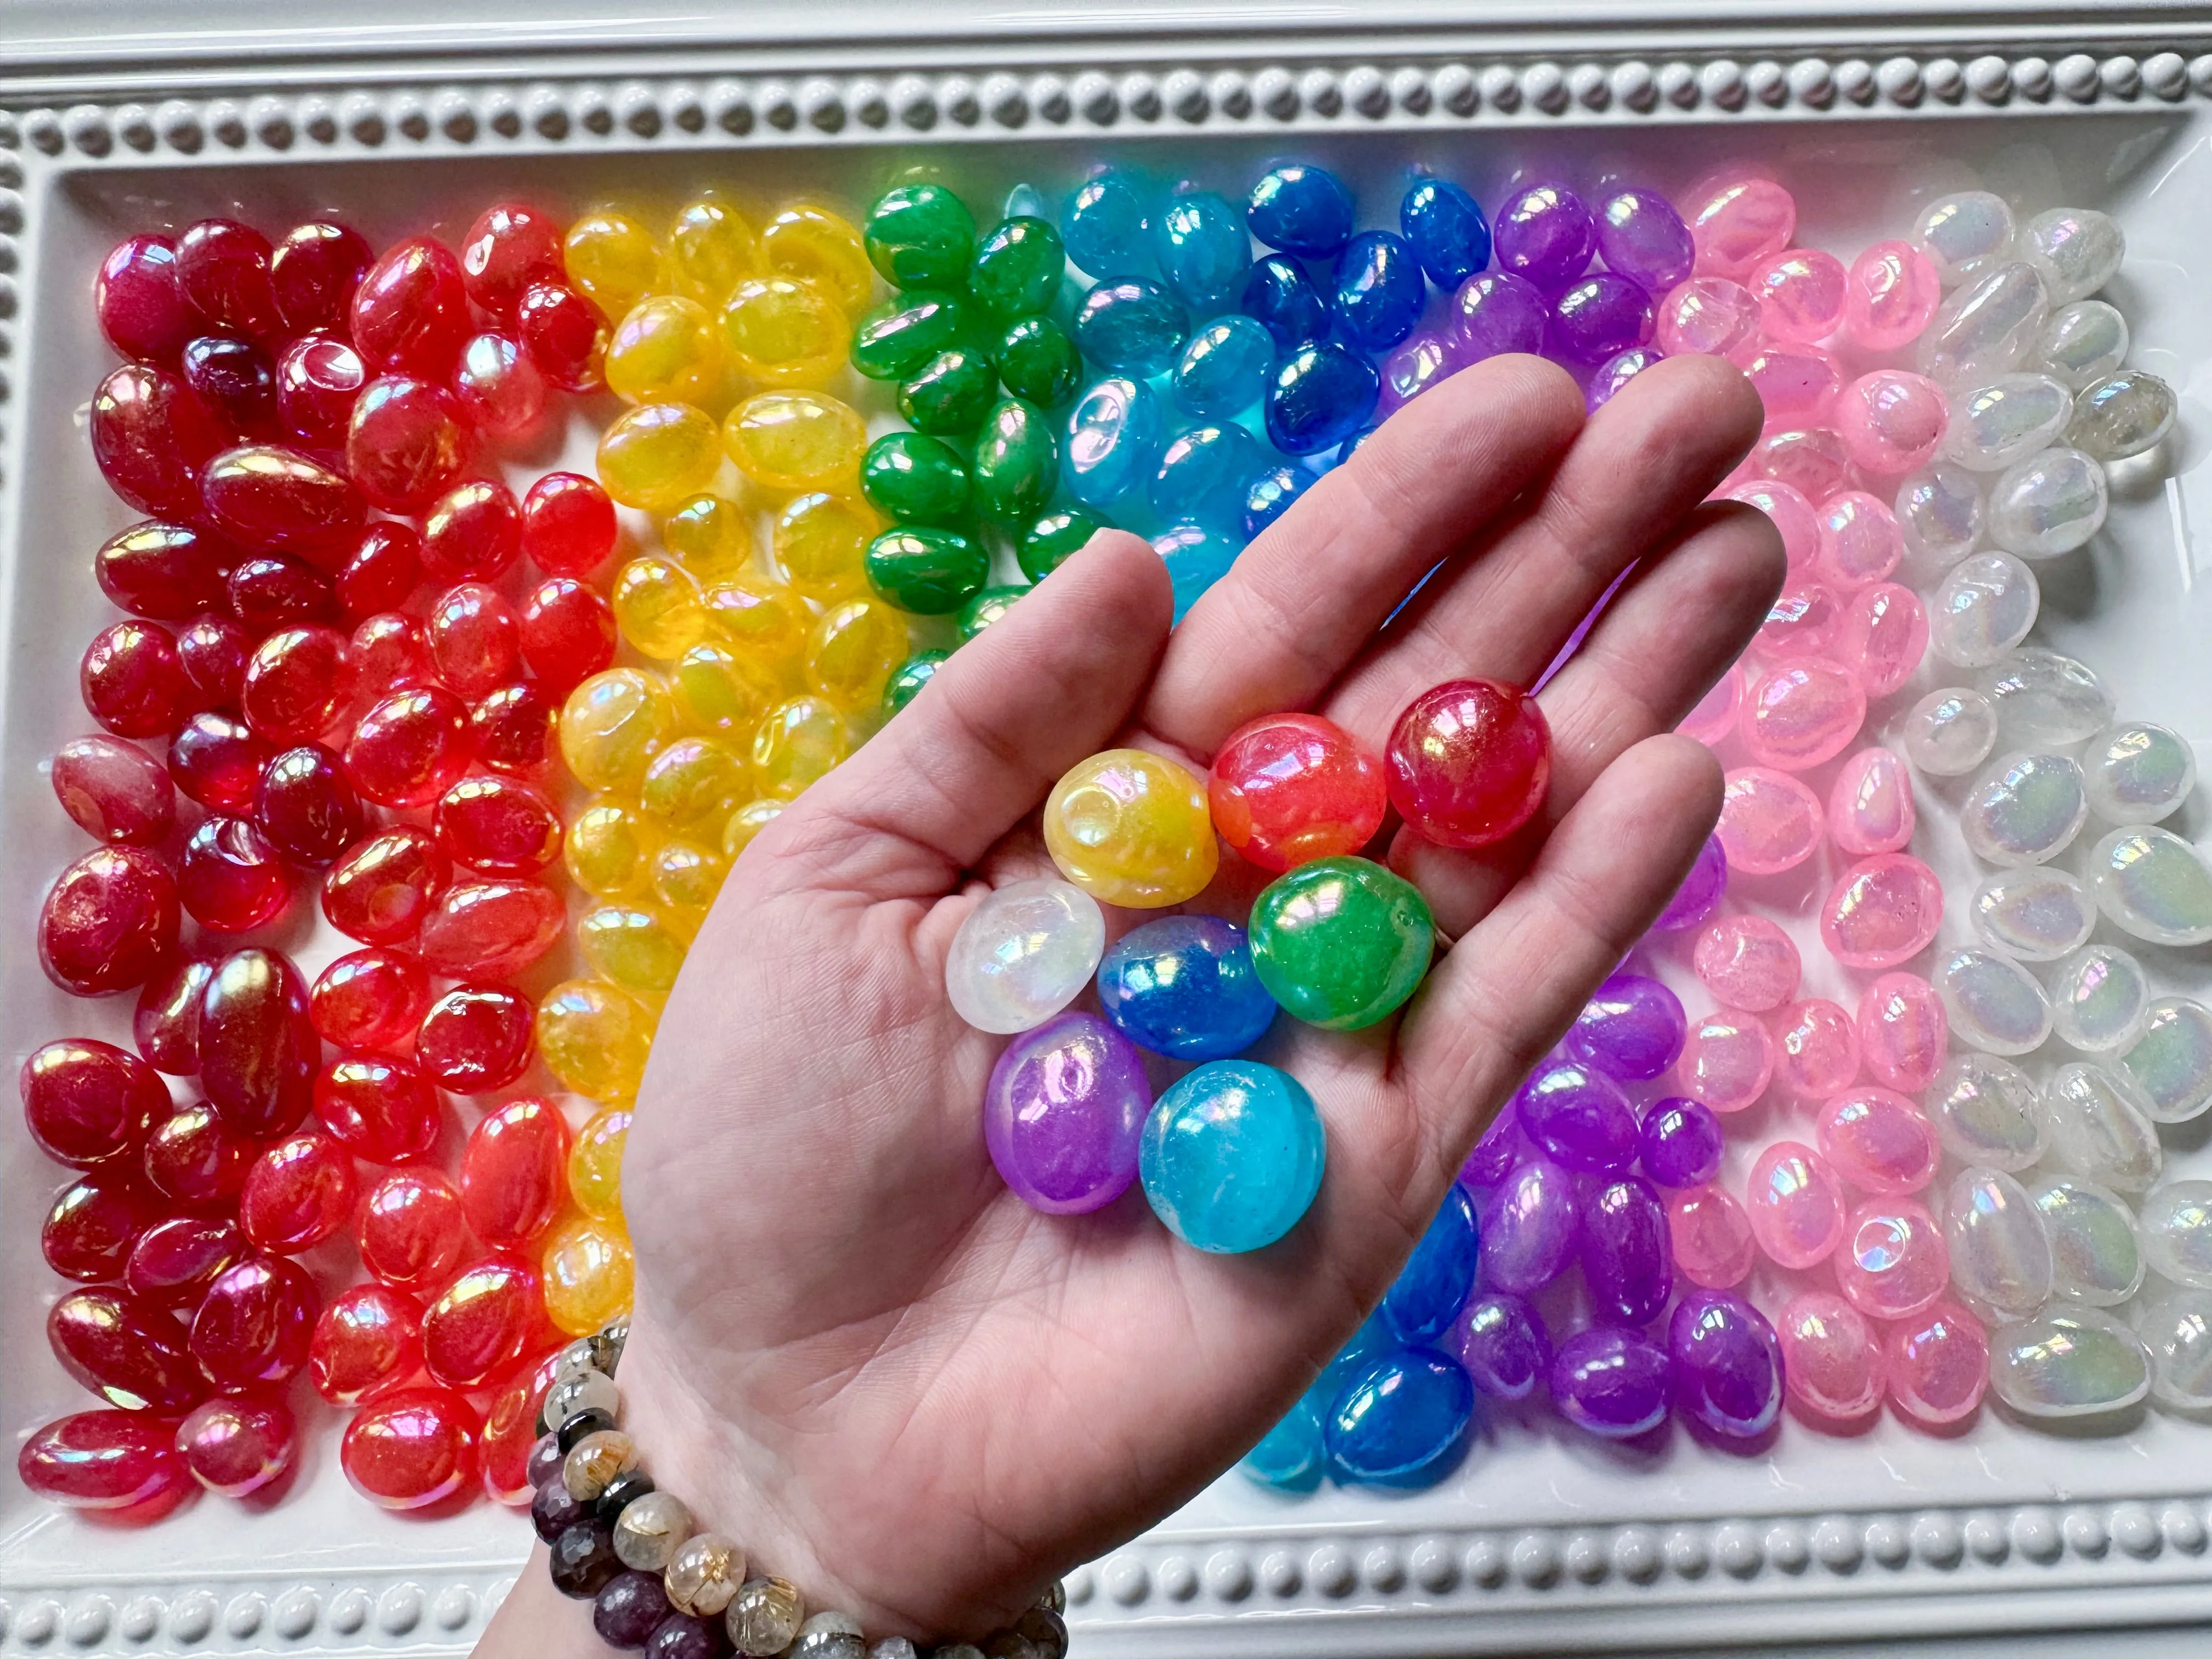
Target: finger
[
  {"x": 1299, "y": 602},
  {"x": 1009, "y": 712},
  {"x": 1507, "y": 991},
  {"x": 1681, "y": 619},
  {"x": 1644, "y": 460}
]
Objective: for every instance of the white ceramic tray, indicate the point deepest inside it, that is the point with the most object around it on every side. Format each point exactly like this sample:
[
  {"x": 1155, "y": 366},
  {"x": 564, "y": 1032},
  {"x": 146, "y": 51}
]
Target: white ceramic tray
[{"x": 113, "y": 116}]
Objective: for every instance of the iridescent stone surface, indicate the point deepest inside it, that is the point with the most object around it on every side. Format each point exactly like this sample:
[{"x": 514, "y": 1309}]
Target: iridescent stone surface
[
  {"x": 2095, "y": 1123},
  {"x": 2174, "y": 1230},
  {"x": 1994, "y": 1004},
  {"x": 2026, "y": 809},
  {"x": 2175, "y": 1327},
  {"x": 2048, "y": 504},
  {"x": 2171, "y": 1061},
  {"x": 2068, "y": 1363},
  {"x": 1999, "y": 1253},
  {"x": 1185, "y": 985},
  {"x": 1892, "y": 1262},
  {"x": 2039, "y": 913},
  {"x": 1063, "y": 1113},
  {"x": 1530, "y": 1224},
  {"x": 1613, "y": 1382},
  {"x": 1984, "y": 608},
  {"x": 2137, "y": 773},
  {"x": 1950, "y": 732},
  {"x": 1727, "y": 1363},
  {"x": 1831, "y": 1358},
  {"x": 1987, "y": 1112},
  {"x": 1232, "y": 1155},
  {"x": 2100, "y": 999},
  {"x": 2152, "y": 884},
  {"x": 2122, "y": 414},
  {"x": 2094, "y": 1256},
  {"x": 1433, "y": 1285},
  {"x": 1023, "y": 954}
]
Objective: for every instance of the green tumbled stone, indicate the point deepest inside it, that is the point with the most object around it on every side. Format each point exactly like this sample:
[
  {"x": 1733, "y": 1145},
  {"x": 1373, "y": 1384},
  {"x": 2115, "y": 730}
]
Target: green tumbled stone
[
  {"x": 1016, "y": 462},
  {"x": 1341, "y": 942},
  {"x": 926, "y": 571},
  {"x": 902, "y": 334},
  {"x": 1018, "y": 267},
  {"x": 1050, "y": 543},
  {"x": 950, "y": 394},
  {"x": 920, "y": 236},
  {"x": 1038, "y": 363},
  {"x": 915, "y": 478},
  {"x": 908, "y": 679},
  {"x": 986, "y": 608}
]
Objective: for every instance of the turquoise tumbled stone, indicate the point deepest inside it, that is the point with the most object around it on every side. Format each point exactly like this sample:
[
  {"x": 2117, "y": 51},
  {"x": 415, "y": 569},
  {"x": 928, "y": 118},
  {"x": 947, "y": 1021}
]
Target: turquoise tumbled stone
[
  {"x": 1290, "y": 1453},
  {"x": 1232, "y": 1156}
]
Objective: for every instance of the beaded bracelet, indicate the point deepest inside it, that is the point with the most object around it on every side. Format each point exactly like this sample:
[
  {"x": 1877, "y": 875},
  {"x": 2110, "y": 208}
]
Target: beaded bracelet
[{"x": 657, "y": 1585}]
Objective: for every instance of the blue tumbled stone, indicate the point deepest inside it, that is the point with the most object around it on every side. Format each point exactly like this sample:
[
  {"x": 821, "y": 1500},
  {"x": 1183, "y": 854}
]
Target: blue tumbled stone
[
  {"x": 1203, "y": 474},
  {"x": 1106, "y": 226},
  {"x": 1303, "y": 211},
  {"x": 1184, "y": 986},
  {"x": 1197, "y": 556},
  {"x": 1449, "y": 235},
  {"x": 1320, "y": 396},
  {"x": 1377, "y": 295},
  {"x": 1113, "y": 440},
  {"x": 1204, "y": 250},
  {"x": 1130, "y": 325},
  {"x": 1232, "y": 1155},
  {"x": 1437, "y": 1277},
  {"x": 1401, "y": 1420},
  {"x": 1282, "y": 298},
  {"x": 1270, "y": 494},
  {"x": 1224, "y": 367}
]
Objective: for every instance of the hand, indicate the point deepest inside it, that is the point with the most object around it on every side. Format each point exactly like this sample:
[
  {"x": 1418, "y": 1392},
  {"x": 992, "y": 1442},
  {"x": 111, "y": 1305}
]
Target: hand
[{"x": 857, "y": 1352}]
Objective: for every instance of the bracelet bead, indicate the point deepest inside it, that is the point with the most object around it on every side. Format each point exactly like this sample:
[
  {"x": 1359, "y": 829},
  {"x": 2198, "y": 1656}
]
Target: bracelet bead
[
  {"x": 1044, "y": 1630},
  {"x": 682, "y": 1636},
  {"x": 705, "y": 1573},
  {"x": 583, "y": 1558},
  {"x": 544, "y": 1462},
  {"x": 552, "y": 1511},
  {"x": 830, "y": 1636},
  {"x": 584, "y": 1390},
  {"x": 648, "y": 1532},
  {"x": 764, "y": 1617},
  {"x": 622, "y": 1491},
  {"x": 628, "y": 1607},
  {"x": 595, "y": 1461},
  {"x": 591, "y": 1420}
]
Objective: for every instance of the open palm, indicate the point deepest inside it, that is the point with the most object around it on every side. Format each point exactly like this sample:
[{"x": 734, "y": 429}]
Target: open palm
[{"x": 853, "y": 1349}]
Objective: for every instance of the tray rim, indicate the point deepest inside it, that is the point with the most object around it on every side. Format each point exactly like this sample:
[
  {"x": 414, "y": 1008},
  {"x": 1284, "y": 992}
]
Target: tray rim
[{"x": 1379, "y": 1587}]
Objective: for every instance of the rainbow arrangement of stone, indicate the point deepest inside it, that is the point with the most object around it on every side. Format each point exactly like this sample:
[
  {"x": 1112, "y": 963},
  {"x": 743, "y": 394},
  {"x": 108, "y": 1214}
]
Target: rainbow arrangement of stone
[{"x": 658, "y": 1583}]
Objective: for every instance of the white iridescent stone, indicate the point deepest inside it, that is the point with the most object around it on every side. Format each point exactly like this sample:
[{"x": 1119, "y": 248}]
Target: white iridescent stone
[
  {"x": 1941, "y": 512},
  {"x": 1985, "y": 1113},
  {"x": 1982, "y": 609},
  {"x": 2026, "y": 809},
  {"x": 2009, "y": 419},
  {"x": 1965, "y": 233},
  {"x": 2000, "y": 1255},
  {"x": 1986, "y": 327},
  {"x": 2077, "y": 251},
  {"x": 2045, "y": 699},
  {"x": 2176, "y": 1326},
  {"x": 2138, "y": 773},
  {"x": 1950, "y": 732},
  {"x": 2097, "y": 1124},
  {"x": 2082, "y": 343},
  {"x": 2122, "y": 414},
  {"x": 2100, "y": 999},
  {"x": 2172, "y": 1060},
  {"x": 1994, "y": 1004},
  {"x": 1025, "y": 953},
  {"x": 2153, "y": 885},
  {"x": 2068, "y": 1362},
  {"x": 2048, "y": 504},
  {"x": 2038, "y": 914},
  {"x": 2094, "y": 1258},
  {"x": 2176, "y": 1228}
]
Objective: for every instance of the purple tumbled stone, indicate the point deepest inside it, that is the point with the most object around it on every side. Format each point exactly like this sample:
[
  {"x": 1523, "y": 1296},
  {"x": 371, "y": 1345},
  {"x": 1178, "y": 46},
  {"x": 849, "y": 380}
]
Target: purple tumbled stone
[
  {"x": 1501, "y": 1341},
  {"x": 1611, "y": 1382},
  {"x": 1627, "y": 1263},
  {"x": 629, "y": 1608},
  {"x": 1414, "y": 365},
  {"x": 1679, "y": 1143},
  {"x": 1600, "y": 317},
  {"x": 1728, "y": 1364},
  {"x": 1503, "y": 1146},
  {"x": 1494, "y": 312},
  {"x": 680, "y": 1636},
  {"x": 1617, "y": 372},
  {"x": 1579, "y": 1116},
  {"x": 1699, "y": 895},
  {"x": 1632, "y": 1029},
  {"x": 1546, "y": 234},
  {"x": 1527, "y": 1226},
  {"x": 1641, "y": 236},
  {"x": 1064, "y": 1112}
]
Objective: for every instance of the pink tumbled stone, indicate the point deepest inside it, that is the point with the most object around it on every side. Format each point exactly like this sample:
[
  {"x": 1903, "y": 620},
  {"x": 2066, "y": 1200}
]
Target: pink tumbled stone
[
  {"x": 1769, "y": 822},
  {"x": 1881, "y": 911},
  {"x": 1797, "y": 714},
  {"x": 1813, "y": 461},
  {"x": 1727, "y": 1060},
  {"x": 1890, "y": 297},
  {"x": 1792, "y": 515},
  {"x": 1801, "y": 293},
  {"x": 1707, "y": 317},
  {"x": 1883, "y": 636},
  {"x": 1711, "y": 1237},
  {"x": 1796, "y": 382},
  {"x": 1713, "y": 720},
  {"x": 1816, "y": 1049},
  {"x": 1736, "y": 222},
  {"x": 1878, "y": 1141},
  {"x": 1891, "y": 419},
  {"x": 1860, "y": 542},
  {"x": 1938, "y": 1364},
  {"x": 1893, "y": 1262},
  {"x": 1870, "y": 804},
  {"x": 1831, "y": 1360},
  {"x": 1805, "y": 620},
  {"x": 1903, "y": 1033},
  {"x": 1795, "y": 1205},
  {"x": 1747, "y": 963}
]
